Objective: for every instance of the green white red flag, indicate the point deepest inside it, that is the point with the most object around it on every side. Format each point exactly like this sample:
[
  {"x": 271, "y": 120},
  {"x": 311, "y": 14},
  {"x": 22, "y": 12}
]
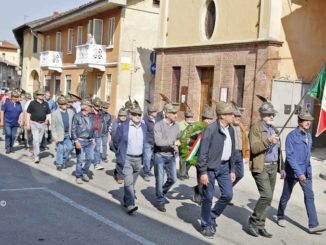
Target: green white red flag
[{"x": 319, "y": 93}]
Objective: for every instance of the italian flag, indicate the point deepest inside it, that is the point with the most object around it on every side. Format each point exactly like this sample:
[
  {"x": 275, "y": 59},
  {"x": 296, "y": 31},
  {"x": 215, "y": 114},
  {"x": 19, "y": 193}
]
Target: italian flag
[
  {"x": 194, "y": 149},
  {"x": 319, "y": 93}
]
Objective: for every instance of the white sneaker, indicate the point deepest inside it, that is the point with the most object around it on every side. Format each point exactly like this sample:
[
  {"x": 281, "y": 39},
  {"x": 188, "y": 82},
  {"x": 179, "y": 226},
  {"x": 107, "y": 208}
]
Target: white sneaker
[
  {"x": 36, "y": 160},
  {"x": 85, "y": 178},
  {"x": 16, "y": 143},
  {"x": 98, "y": 167}
]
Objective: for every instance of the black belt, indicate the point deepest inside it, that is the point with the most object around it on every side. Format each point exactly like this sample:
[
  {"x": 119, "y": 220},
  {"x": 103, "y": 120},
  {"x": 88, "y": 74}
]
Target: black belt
[
  {"x": 224, "y": 162},
  {"x": 163, "y": 149},
  {"x": 40, "y": 122},
  {"x": 134, "y": 156}
]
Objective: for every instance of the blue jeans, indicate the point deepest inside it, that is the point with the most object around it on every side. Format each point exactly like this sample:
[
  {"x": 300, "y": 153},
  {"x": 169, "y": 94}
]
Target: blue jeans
[
  {"x": 97, "y": 150},
  {"x": 239, "y": 171},
  {"x": 104, "y": 140},
  {"x": 63, "y": 151},
  {"x": 309, "y": 200},
  {"x": 167, "y": 164},
  {"x": 86, "y": 151},
  {"x": 222, "y": 175},
  {"x": 10, "y": 135},
  {"x": 148, "y": 158}
]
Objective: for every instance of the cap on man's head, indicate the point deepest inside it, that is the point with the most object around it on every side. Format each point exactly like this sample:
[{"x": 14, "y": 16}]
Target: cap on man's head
[
  {"x": 189, "y": 113},
  {"x": 86, "y": 102},
  {"x": 122, "y": 112},
  {"x": 136, "y": 109},
  {"x": 169, "y": 108},
  {"x": 267, "y": 108},
  {"x": 152, "y": 108},
  {"x": 105, "y": 105},
  {"x": 97, "y": 101},
  {"x": 305, "y": 115},
  {"x": 62, "y": 100},
  {"x": 40, "y": 92},
  {"x": 28, "y": 96},
  {"x": 223, "y": 108},
  {"x": 15, "y": 94},
  {"x": 208, "y": 113}
]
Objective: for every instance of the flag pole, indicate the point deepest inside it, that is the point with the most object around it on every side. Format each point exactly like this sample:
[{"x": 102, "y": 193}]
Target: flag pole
[{"x": 291, "y": 115}]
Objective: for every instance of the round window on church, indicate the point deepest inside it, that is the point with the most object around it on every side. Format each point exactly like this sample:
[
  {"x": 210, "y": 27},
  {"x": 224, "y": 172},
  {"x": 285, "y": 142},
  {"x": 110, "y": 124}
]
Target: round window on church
[{"x": 210, "y": 19}]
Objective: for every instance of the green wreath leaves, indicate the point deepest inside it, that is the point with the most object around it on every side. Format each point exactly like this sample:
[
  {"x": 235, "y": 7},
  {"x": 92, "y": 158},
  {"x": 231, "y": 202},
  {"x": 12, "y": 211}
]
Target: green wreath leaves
[{"x": 191, "y": 131}]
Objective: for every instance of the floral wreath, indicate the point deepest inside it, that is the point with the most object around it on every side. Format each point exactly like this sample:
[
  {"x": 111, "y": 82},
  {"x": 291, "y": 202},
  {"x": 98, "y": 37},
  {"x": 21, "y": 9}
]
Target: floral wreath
[{"x": 191, "y": 132}]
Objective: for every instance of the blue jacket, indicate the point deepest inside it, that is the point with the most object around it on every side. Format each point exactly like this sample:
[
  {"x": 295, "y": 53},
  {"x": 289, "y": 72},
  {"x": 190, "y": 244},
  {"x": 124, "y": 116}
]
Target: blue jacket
[
  {"x": 298, "y": 153},
  {"x": 120, "y": 140},
  {"x": 107, "y": 123},
  {"x": 80, "y": 128},
  {"x": 211, "y": 148},
  {"x": 150, "y": 130}
]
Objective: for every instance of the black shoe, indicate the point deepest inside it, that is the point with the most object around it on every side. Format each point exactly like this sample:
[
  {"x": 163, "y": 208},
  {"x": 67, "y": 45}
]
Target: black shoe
[
  {"x": 7, "y": 151},
  {"x": 59, "y": 167},
  {"x": 253, "y": 230},
  {"x": 131, "y": 209},
  {"x": 264, "y": 233},
  {"x": 11, "y": 150},
  {"x": 161, "y": 208},
  {"x": 207, "y": 232},
  {"x": 213, "y": 228},
  {"x": 182, "y": 178}
]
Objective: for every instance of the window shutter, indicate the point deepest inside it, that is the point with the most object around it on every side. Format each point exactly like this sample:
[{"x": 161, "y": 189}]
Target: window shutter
[
  {"x": 98, "y": 30},
  {"x": 58, "y": 41},
  {"x": 80, "y": 35}
]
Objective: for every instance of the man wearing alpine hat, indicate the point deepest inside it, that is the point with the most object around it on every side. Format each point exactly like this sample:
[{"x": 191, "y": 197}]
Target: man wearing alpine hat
[
  {"x": 265, "y": 161},
  {"x": 298, "y": 170}
]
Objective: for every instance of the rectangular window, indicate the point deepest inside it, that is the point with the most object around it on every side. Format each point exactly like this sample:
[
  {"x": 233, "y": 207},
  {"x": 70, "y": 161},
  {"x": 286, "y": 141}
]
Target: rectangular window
[
  {"x": 176, "y": 75},
  {"x": 47, "y": 43},
  {"x": 81, "y": 90},
  {"x": 239, "y": 79},
  {"x": 47, "y": 83},
  {"x": 111, "y": 32},
  {"x": 95, "y": 27},
  {"x": 70, "y": 40},
  {"x": 34, "y": 44},
  {"x": 58, "y": 42},
  {"x": 97, "y": 91},
  {"x": 68, "y": 84},
  {"x": 79, "y": 35},
  {"x": 56, "y": 87},
  {"x": 108, "y": 87}
]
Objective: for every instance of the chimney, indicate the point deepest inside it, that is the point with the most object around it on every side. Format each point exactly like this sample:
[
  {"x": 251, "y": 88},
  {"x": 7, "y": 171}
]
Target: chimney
[{"x": 55, "y": 13}]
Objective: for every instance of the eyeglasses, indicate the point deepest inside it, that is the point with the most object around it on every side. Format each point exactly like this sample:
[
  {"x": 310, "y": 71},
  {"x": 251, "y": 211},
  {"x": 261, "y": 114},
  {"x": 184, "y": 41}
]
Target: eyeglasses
[{"x": 136, "y": 114}]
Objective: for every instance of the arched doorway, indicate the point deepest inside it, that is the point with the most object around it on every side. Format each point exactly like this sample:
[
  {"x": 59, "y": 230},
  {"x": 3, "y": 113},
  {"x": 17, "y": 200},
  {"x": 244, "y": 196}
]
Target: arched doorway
[{"x": 36, "y": 80}]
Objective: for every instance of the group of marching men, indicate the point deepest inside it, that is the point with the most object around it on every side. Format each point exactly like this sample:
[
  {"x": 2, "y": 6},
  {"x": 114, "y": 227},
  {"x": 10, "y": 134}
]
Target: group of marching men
[{"x": 218, "y": 147}]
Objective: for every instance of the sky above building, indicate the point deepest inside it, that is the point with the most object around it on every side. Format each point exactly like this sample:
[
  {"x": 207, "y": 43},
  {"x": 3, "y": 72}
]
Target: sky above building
[{"x": 17, "y": 12}]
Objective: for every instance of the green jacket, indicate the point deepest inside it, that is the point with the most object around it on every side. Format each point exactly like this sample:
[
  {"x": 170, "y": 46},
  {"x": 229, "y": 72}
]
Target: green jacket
[{"x": 259, "y": 144}]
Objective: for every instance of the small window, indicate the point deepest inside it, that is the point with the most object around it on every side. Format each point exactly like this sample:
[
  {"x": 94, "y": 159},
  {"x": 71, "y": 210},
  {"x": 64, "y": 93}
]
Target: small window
[
  {"x": 79, "y": 35},
  {"x": 34, "y": 44},
  {"x": 95, "y": 27},
  {"x": 108, "y": 87},
  {"x": 97, "y": 91},
  {"x": 47, "y": 83},
  {"x": 176, "y": 77},
  {"x": 210, "y": 19},
  {"x": 111, "y": 31},
  {"x": 70, "y": 40},
  {"x": 47, "y": 43},
  {"x": 81, "y": 90},
  {"x": 58, "y": 42},
  {"x": 68, "y": 84}
]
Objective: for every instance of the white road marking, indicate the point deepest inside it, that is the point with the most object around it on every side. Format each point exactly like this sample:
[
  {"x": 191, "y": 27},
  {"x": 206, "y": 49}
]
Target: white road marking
[{"x": 87, "y": 211}]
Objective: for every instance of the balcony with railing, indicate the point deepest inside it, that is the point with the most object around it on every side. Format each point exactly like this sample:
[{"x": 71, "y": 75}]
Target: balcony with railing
[
  {"x": 51, "y": 60},
  {"x": 91, "y": 56}
]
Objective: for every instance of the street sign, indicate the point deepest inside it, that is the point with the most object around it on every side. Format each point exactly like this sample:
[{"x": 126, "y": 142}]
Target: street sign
[{"x": 153, "y": 69}]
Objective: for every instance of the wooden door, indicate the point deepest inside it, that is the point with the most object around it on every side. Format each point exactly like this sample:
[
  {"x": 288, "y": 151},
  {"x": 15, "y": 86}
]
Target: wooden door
[
  {"x": 206, "y": 78},
  {"x": 239, "y": 77}
]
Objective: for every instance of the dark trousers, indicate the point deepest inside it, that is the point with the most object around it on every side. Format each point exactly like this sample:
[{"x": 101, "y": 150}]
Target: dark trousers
[
  {"x": 222, "y": 175},
  {"x": 265, "y": 182},
  {"x": 309, "y": 200},
  {"x": 10, "y": 135},
  {"x": 239, "y": 171}
]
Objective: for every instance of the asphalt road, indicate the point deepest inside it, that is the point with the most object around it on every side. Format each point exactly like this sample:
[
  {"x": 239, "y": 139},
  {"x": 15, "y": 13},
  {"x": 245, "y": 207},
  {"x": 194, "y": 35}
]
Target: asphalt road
[{"x": 57, "y": 212}]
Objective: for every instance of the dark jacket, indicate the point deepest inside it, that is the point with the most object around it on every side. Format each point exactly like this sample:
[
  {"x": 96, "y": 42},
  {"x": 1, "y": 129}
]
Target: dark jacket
[
  {"x": 211, "y": 148},
  {"x": 298, "y": 153},
  {"x": 80, "y": 127},
  {"x": 120, "y": 140},
  {"x": 107, "y": 123},
  {"x": 150, "y": 130},
  {"x": 101, "y": 123}
]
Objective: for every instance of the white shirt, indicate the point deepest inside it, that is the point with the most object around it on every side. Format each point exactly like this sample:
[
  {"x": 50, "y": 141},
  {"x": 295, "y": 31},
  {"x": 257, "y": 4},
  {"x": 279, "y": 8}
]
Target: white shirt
[{"x": 227, "y": 149}]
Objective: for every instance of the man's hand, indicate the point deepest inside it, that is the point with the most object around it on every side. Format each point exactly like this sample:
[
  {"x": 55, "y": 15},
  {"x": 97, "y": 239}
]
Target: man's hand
[
  {"x": 77, "y": 145},
  {"x": 233, "y": 177},
  {"x": 55, "y": 140},
  {"x": 94, "y": 142},
  {"x": 283, "y": 174},
  {"x": 302, "y": 178},
  {"x": 204, "y": 179},
  {"x": 274, "y": 139},
  {"x": 177, "y": 143}
]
